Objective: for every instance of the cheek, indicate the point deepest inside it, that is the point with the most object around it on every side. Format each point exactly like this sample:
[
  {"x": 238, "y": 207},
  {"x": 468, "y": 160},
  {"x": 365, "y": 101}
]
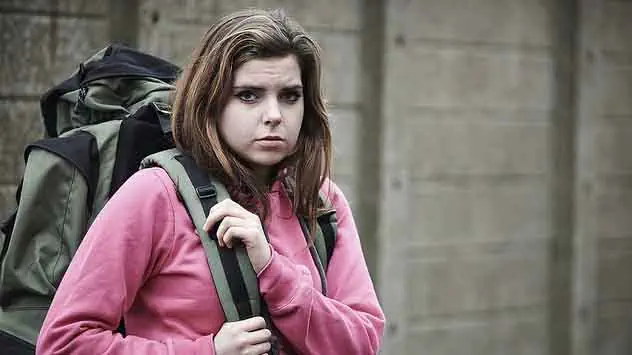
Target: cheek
[
  {"x": 229, "y": 125},
  {"x": 234, "y": 115}
]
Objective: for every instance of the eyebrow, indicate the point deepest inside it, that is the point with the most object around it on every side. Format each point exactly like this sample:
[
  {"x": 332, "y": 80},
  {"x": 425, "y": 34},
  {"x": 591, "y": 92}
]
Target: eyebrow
[{"x": 261, "y": 88}]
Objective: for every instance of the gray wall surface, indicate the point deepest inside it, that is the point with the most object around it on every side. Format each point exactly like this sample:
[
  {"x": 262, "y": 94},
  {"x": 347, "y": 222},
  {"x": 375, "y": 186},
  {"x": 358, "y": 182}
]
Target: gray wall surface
[
  {"x": 469, "y": 90},
  {"x": 482, "y": 144}
]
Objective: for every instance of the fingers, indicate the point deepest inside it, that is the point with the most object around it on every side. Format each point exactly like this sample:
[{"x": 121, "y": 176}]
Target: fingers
[
  {"x": 226, "y": 224},
  {"x": 215, "y": 215},
  {"x": 233, "y": 229},
  {"x": 239, "y": 225},
  {"x": 234, "y": 223},
  {"x": 261, "y": 348},
  {"x": 248, "y": 336},
  {"x": 251, "y": 324},
  {"x": 223, "y": 209},
  {"x": 259, "y": 336},
  {"x": 233, "y": 235}
]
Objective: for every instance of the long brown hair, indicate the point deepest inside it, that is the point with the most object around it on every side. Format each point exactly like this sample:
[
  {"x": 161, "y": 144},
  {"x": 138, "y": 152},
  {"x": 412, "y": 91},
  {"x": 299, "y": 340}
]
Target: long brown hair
[{"x": 204, "y": 89}]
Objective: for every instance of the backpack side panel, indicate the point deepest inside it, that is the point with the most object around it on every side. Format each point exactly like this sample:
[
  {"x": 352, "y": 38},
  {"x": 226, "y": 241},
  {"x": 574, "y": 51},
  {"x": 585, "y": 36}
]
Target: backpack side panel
[{"x": 50, "y": 222}]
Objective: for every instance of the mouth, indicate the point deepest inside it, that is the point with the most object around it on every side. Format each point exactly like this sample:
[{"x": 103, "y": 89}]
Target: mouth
[
  {"x": 271, "y": 139},
  {"x": 274, "y": 143}
]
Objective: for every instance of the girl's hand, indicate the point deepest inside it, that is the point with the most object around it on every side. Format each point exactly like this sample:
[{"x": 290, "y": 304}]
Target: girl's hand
[
  {"x": 238, "y": 224},
  {"x": 249, "y": 336}
]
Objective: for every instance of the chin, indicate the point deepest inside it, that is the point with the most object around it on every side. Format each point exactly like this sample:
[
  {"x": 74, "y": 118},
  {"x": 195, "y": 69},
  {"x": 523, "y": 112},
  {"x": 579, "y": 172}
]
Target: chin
[
  {"x": 266, "y": 163},
  {"x": 269, "y": 161}
]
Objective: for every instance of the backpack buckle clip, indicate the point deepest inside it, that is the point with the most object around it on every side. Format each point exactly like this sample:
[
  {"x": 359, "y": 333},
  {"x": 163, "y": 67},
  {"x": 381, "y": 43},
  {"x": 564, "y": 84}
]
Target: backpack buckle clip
[{"x": 207, "y": 191}]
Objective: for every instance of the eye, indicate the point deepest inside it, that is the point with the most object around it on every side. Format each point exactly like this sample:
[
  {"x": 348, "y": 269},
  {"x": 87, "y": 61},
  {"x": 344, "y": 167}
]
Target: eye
[
  {"x": 291, "y": 96},
  {"x": 247, "y": 96}
]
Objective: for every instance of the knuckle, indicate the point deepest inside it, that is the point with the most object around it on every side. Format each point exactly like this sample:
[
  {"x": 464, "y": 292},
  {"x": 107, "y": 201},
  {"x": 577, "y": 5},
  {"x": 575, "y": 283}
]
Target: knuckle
[
  {"x": 267, "y": 333},
  {"x": 241, "y": 341}
]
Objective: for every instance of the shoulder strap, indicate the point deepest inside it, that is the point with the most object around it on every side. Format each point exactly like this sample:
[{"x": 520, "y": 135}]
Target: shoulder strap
[
  {"x": 326, "y": 231},
  {"x": 233, "y": 275}
]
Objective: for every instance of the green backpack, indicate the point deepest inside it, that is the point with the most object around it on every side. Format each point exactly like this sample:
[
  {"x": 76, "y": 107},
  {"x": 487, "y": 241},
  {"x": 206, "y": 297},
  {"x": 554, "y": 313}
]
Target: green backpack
[{"x": 112, "y": 114}]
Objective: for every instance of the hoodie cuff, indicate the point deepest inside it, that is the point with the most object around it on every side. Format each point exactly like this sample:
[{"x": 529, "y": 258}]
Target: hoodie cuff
[
  {"x": 279, "y": 281},
  {"x": 269, "y": 261}
]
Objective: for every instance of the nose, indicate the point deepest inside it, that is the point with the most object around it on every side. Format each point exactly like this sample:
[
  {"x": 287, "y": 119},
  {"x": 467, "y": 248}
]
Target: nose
[{"x": 272, "y": 114}]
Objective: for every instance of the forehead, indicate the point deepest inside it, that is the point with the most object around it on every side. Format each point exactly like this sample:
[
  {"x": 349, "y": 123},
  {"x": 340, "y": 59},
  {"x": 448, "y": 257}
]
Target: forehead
[{"x": 269, "y": 71}]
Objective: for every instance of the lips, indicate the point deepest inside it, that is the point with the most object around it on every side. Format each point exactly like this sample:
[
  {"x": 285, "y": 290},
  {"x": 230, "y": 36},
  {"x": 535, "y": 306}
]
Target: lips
[
  {"x": 271, "y": 143},
  {"x": 271, "y": 138}
]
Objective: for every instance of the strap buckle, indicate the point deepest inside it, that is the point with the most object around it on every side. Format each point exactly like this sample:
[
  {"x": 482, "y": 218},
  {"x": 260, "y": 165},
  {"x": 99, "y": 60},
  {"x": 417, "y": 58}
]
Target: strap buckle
[{"x": 206, "y": 191}]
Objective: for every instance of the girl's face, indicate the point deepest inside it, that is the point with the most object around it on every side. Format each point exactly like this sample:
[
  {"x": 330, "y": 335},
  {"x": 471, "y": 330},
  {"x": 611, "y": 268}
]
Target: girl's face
[{"x": 263, "y": 117}]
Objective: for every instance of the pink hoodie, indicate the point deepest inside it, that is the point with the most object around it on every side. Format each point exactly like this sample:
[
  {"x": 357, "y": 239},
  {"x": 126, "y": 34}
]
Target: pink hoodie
[{"x": 142, "y": 259}]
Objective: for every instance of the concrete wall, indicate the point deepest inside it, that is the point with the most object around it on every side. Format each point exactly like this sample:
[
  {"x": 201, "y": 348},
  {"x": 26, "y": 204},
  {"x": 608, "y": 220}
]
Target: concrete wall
[
  {"x": 505, "y": 229},
  {"x": 602, "y": 282},
  {"x": 467, "y": 162},
  {"x": 482, "y": 144}
]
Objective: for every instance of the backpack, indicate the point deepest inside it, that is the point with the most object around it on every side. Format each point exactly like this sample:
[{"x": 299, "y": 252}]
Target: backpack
[{"x": 109, "y": 118}]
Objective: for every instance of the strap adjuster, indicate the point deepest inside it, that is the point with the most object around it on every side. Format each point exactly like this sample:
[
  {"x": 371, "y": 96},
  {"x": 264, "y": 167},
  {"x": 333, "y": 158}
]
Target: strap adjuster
[{"x": 207, "y": 191}]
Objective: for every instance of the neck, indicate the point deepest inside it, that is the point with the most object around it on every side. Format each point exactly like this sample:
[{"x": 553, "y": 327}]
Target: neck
[{"x": 264, "y": 175}]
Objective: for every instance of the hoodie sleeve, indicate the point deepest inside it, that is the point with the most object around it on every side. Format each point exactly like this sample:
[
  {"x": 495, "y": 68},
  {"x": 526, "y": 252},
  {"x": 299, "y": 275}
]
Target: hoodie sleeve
[
  {"x": 129, "y": 239},
  {"x": 349, "y": 320}
]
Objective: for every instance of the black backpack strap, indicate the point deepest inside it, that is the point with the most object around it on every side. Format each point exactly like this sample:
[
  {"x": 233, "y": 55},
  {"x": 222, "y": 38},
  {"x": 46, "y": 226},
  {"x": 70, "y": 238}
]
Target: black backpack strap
[
  {"x": 328, "y": 223},
  {"x": 207, "y": 194},
  {"x": 235, "y": 279}
]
